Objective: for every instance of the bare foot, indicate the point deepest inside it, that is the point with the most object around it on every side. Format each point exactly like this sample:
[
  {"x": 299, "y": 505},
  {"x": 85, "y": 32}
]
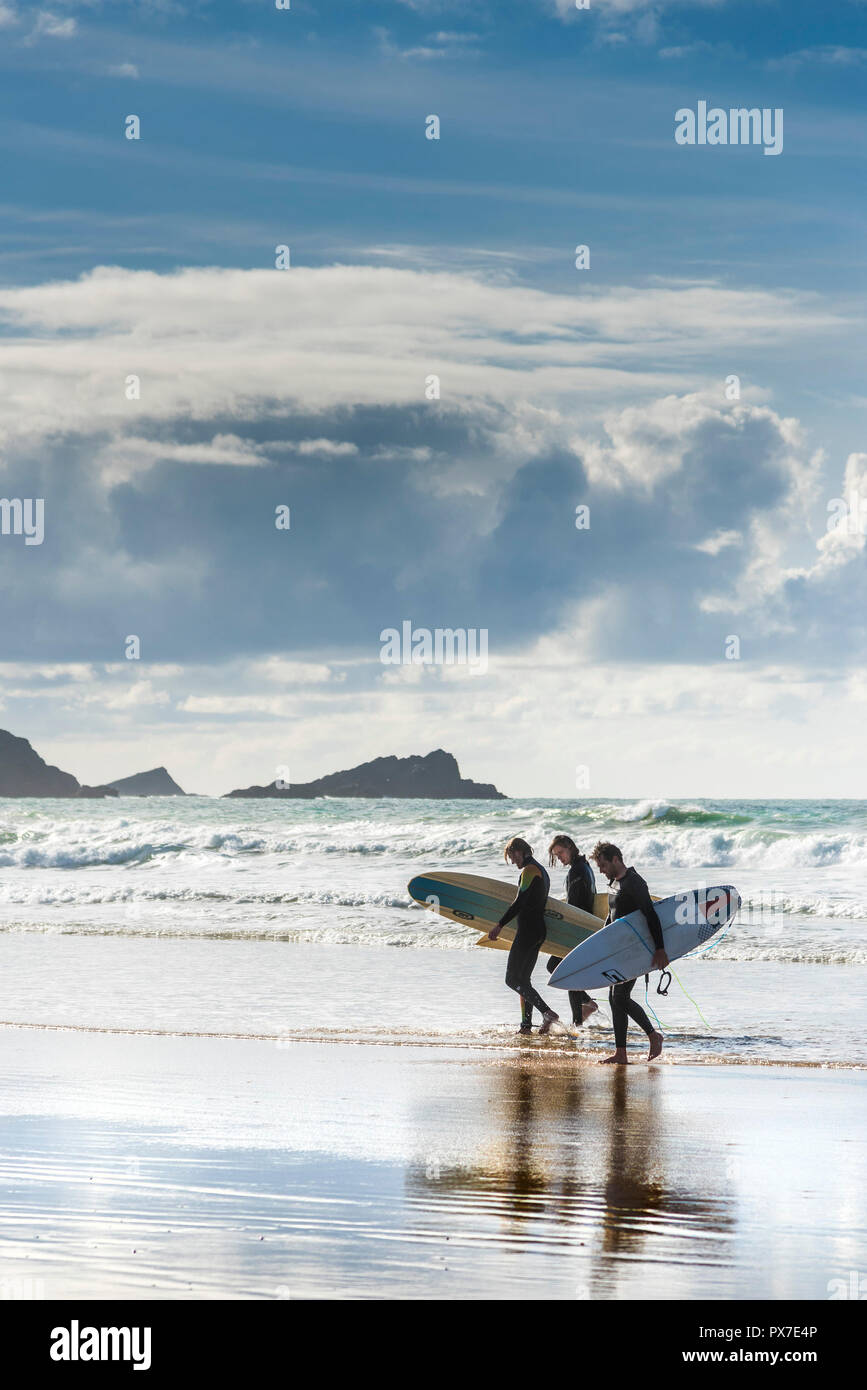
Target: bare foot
[
  {"x": 619, "y": 1057},
  {"x": 587, "y": 1010},
  {"x": 547, "y": 1020},
  {"x": 655, "y": 1046}
]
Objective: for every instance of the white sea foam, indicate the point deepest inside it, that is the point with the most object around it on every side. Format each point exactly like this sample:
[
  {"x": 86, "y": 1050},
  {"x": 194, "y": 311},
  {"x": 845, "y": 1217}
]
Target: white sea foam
[{"x": 337, "y": 870}]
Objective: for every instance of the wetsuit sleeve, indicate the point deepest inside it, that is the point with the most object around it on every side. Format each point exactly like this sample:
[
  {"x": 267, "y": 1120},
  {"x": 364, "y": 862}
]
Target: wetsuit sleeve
[
  {"x": 529, "y": 894},
  {"x": 642, "y": 894},
  {"x": 588, "y": 894}
]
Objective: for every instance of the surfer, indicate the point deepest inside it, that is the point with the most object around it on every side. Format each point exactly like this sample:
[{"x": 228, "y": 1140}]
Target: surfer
[
  {"x": 630, "y": 894},
  {"x": 580, "y": 892},
  {"x": 529, "y": 908}
]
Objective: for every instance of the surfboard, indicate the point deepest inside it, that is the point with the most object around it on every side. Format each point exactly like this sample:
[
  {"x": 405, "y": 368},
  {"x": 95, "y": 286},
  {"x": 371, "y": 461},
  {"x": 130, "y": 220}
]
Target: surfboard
[
  {"x": 478, "y": 903},
  {"x": 503, "y": 942},
  {"x": 624, "y": 949}
]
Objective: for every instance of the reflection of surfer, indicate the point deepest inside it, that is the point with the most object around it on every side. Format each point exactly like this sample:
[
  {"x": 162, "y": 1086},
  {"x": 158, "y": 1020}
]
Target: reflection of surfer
[
  {"x": 529, "y": 908},
  {"x": 631, "y": 894},
  {"x": 580, "y": 892}
]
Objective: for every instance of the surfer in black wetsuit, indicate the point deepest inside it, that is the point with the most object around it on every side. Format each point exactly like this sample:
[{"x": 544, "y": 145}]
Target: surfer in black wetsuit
[
  {"x": 529, "y": 908},
  {"x": 580, "y": 892},
  {"x": 630, "y": 894}
]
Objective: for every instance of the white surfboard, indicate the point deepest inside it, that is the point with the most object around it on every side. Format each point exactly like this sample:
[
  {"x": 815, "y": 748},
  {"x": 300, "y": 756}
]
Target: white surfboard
[{"x": 624, "y": 949}]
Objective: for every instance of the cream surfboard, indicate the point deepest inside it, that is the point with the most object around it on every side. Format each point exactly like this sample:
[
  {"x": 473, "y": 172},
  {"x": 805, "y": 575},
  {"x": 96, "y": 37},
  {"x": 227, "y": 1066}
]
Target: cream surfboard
[{"x": 478, "y": 903}]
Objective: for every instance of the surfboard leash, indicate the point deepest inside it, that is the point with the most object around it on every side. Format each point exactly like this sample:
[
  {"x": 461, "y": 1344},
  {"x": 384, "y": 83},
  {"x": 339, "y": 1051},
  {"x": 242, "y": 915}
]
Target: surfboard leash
[
  {"x": 692, "y": 954},
  {"x": 657, "y": 1020},
  {"x": 692, "y": 1001}
]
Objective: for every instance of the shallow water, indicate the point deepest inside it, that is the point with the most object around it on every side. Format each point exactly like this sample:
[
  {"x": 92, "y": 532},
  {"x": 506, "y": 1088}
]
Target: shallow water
[
  {"x": 262, "y": 918},
  {"x": 753, "y": 1011}
]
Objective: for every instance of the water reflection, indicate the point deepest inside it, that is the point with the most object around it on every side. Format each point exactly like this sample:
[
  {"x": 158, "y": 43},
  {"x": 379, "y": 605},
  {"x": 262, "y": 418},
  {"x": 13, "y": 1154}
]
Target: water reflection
[{"x": 582, "y": 1161}]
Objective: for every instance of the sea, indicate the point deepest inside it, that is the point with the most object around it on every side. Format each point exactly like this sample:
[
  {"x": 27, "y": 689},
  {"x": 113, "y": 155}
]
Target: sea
[{"x": 290, "y": 920}]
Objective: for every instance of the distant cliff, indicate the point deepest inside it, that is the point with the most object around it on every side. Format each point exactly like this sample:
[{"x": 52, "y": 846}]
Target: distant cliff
[
  {"x": 24, "y": 773},
  {"x": 157, "y": 782},
  {"x": 436, "y": 775}
]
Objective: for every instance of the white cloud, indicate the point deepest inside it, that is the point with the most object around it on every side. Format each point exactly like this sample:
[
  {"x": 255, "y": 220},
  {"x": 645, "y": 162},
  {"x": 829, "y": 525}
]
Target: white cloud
[
  {"x": 823, "y": 55},
  {"x": 53, "y": 26},
  {"x": 124, "y": 70},
  {"x": 722, "y": 540},
  {"x": 278, "y": 706},
  {"x": 847, "y": 540},
  {"x": 648, "y": 444},
  {"x": 332, "y": 448},
  {"x": 38, "y": 671},
  {"x": 202, "y": 341},
  {"x": 8, "y": 16},
  {"x": 140, "y": 692},
  {"x": 288, "y": 672},
  {"x": 126, "y": 457}
]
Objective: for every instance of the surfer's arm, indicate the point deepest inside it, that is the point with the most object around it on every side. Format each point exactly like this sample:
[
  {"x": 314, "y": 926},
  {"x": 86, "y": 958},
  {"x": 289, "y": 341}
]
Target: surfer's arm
[
  {"x": 522, "y": 897},
  {"x": 645, "y": 902}
]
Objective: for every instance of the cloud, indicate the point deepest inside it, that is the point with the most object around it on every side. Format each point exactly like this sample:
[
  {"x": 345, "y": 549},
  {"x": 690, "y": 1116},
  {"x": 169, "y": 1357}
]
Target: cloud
[
  {"x": 616, "y": 8},
  {"x": 444, "y": 44},
  {"x": 53, "y": 26},
  {"x": 332, "y": 447},
  {"x": 202, "y": 342},
  {"x": 457, "y": 512},
  {"x": 124, "y": 70},
  {"x": 722, "y": 540},
  {"x": 129, "y": 456},
  {"x": 285, "y": 672},
  {"x": 822, "y": 55}
]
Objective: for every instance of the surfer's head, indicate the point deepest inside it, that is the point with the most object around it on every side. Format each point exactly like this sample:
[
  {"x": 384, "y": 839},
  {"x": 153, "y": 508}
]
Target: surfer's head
[
  {"x": 517, "y": 851},
  {"x": 564, "y": 849},
  {"x": 608, "y": 858}
]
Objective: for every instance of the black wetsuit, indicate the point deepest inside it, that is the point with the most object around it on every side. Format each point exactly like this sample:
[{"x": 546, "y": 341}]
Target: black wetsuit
[
  {"x": 628, "y": 895},
  {"x": 580, "y": 892},
  {"x": 529, "y": 908}
]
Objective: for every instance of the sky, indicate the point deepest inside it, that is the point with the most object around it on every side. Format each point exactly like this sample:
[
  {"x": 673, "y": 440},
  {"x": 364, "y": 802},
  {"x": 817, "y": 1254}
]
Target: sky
[{"x": 431, "y": 386}]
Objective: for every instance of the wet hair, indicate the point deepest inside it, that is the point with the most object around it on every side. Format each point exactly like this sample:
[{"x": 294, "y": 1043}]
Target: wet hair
[
  {"x": 564, "y": 842},
  {"x": 606, "y": 850},
  {"x": 517, "y": 843}
]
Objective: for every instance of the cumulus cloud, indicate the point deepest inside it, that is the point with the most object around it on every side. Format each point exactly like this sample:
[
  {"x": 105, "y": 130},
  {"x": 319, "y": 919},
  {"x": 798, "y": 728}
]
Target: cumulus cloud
[{"x": 457, "y": 512}]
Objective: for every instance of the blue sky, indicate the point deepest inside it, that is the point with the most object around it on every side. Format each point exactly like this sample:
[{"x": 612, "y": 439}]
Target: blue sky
[{"x": 560, "y": 387}]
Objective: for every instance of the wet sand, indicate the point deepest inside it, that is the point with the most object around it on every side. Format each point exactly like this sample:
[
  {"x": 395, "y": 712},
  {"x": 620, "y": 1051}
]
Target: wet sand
[{"x": 203, "y": 1167}]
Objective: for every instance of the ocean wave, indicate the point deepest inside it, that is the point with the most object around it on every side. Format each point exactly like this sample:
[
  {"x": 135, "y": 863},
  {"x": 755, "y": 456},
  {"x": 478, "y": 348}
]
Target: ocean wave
[
  {"x": 47, "y": 894},
  {"x": 441, "y": 937},
  {"x": 172, "y": 922},
  {"x": 758, "y": 909},
  {"x": 788, "y": 954},
  {"x": 654, "y": 834}
]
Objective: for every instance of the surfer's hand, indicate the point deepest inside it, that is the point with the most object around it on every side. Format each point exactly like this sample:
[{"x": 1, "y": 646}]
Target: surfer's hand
[
  {"x": 660, "y": 960},
  {"x": 494, "y": 932}
]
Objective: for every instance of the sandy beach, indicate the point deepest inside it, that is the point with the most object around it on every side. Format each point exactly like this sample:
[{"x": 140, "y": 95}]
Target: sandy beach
[
  {"x": 184, "y": 1167},
  {"x": 239, "y": 1064}
]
